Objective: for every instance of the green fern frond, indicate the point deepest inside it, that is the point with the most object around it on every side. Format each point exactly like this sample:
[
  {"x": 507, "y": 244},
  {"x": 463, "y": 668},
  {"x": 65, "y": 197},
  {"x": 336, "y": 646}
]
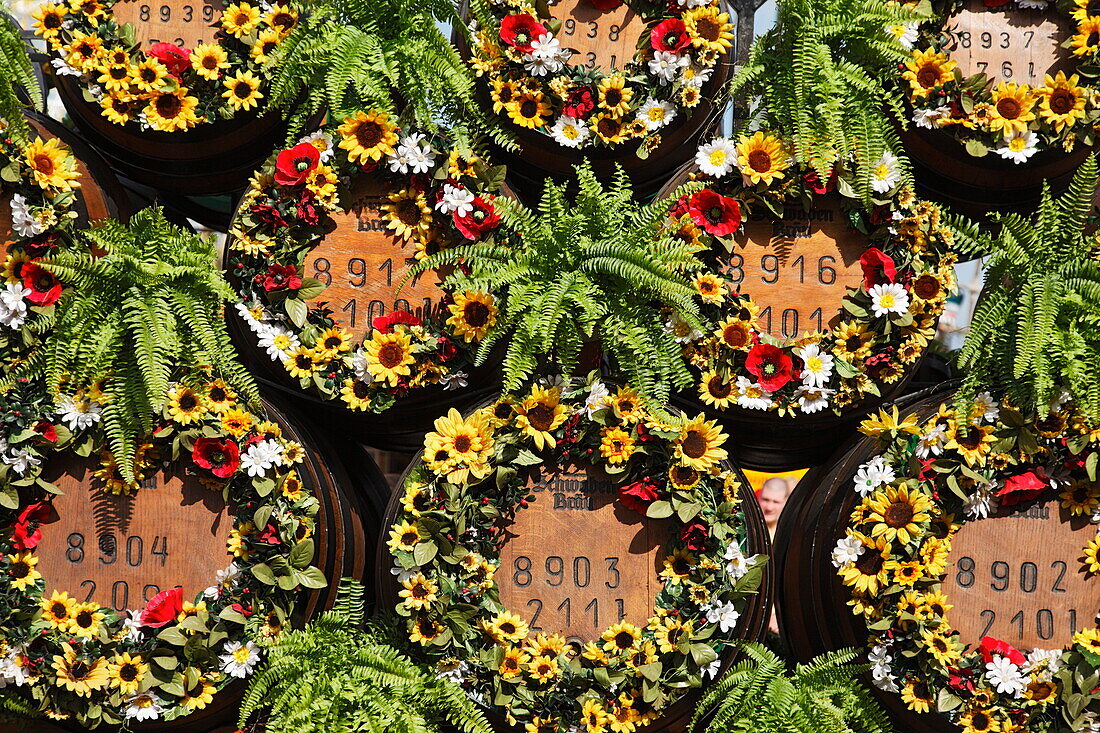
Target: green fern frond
[{"x": 18, "y": 84}]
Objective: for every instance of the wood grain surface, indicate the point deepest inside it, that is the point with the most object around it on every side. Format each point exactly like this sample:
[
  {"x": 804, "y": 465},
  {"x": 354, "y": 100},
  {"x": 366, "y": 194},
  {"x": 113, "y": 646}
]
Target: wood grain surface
[
  {"x": 576, "y": 561},
  {"x": 185, "y": 23},
  {"x": 603, "y": 38},
  {"x": 798, "y": 268},
  {"x": 1018, "y": 578},
  {"x": 362, "y": 264},
  {"x": 122, "y": 551},
  {"x": 1010, "y": 43}
]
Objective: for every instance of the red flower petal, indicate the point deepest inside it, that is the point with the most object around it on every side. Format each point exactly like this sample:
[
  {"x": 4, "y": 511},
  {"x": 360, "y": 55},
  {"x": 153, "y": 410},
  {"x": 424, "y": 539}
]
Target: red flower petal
[
  {"x": 718, "y": 215},
  {"x": 292, "y": 167},
  {"x": 519, "y": 29},
  {"x": 771, "y": 366},
  {"x": 163, "y": 609},
  {"x": 878, "y": 268}
]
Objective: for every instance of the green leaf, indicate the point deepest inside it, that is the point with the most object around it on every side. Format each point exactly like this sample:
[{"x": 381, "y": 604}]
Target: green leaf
[
  {"x": 263, "y": 573},
  {"x": 297, "y": 311},
  {"x": 312, "y": 578},
  {"x": 659, "y": 510},
  {"x": 301, "y": 554}
]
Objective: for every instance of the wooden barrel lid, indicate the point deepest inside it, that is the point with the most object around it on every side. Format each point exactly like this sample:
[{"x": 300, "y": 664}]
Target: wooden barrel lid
[
  {"x": 186, "y": 23},
  {"x": 601, "y": 38}
]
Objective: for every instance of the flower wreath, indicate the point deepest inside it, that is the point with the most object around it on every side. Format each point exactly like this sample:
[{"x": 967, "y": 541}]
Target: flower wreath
[
  {"x": 38, "y": 184},
  {"x": 166, "y": 87},
  {"x": 287, "y": 211},
  {"x": 886, "y": 323},
  {"x": 471, "y": 481},
  {"x": 80, "y": 660},
  {"x": 533, "y": 82},
  {"x": 932, "y": 476},
  {"x": 1013, "y": 120}
]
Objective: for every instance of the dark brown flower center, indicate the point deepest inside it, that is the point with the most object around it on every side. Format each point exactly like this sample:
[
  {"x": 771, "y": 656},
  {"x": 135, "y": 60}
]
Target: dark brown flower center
[
  {"x": 898, "y": 514},
  {"x": 368, "y": 134},
  {"x": 1009, "y": 108},
  {"x": 391, "y": 355},
  {"x": 870, "y": 563},
  {"x": 410, "y": 538},
  {"x": 188, "y": 401},
  {"x": 169, "y": 106},
  {"x": 476, "y": 314},
  {"x": 84, "y": 619},
  {"x": 719, "y": 387},
  {"x": 624, "y": 640},
  {"x": 209, "y": 62},
  {"x": 760, "y": 161},
  {"x": 541, "y": 417},
  {"x": 1062, "y": 101},
  {"x": 283, "y": 21},
  {"x": 926, "y": 287},
  {"x": 128, "y": 672},
  {"x": 684, "y": 475},
  {"x": 408, "y": 212},
  {"x": 928, "y": 76},
  {"x": 529, "y": 109},
  {"x": 419, "y": 591},
  {"x": 463, "y": 444},
  {"x": 118, "y": 73},
  {"x": 708, "y": 29},
  {"x": 613, "y": 97},
  {"x": 20, "y": 569},
  {"x": 148, "y": 75},
  {"x": 52, "y": 21},
  {"x": 44, "y": 164},
  {"x": 971, "y": 439},
  {"x": 242, "y": 90},
  {"x": 609, "y": 127},
  {"x": 80, "y": 669},
  {"x": 426, "y": 628},
  {"x": 694, "y": 444},
  {"x": 735, "y": 336}
]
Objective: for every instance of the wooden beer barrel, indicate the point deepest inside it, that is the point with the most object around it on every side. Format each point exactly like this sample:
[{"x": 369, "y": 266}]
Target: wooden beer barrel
[
  {"x": 1013, "y": 576},
  {"x": 1010, "y": 44},
  {"x": 211, "y": 158},
  {"x": 800, "y": 271},
  {"x": 122, "y": 551},
  {"x": 100, "y": 195},
  {"x": 356, "y": 262},
  {"x": 575, "y": 557},
  {"x": 609, "y": 40}
]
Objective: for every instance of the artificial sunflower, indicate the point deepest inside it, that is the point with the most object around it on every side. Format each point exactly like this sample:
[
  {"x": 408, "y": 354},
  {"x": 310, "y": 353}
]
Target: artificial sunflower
[
  {"x": 265, "y": 45},
  {"x": 973, "y": 442},
  {"x": 699, "y": 444},
  {"x": 1040, "y": 692},
  {"x": 1087, "y": 40},
  {"x": 761, "y": 158},
  {"x": 668, "y": 632},
  {"x": 52, "y": 167},
  {"x": 543, "y": 669},
  {"x": 49, "y": 19},
  {"x": 418, "y": 592},
  {"x": 404, "y": 537},
  {"x": 594, "y": 717},
  {"x": 368, "y": 136},
  {"x": 868, "y": 573},
  {"x": 321, "y": 182},
  {"x": 945, "y": 649},
  {"x": 684, "y": 477},
  {"x": 208, "y": 60},
  {"x": 716, "y": 390},
  {"x": 709, "y": 28},
  {"x": 149, "y": 75},
  {"x": 460, "y": 447},
  {"x": 1080, "y": 498},
  {"x": 172, "y": 111},
  {"x": 615, "y": 95},
  {"x": 711, "y": 288},
  {"x": 926, "y": 71},
  {"x": 609, "y": 129},
  {"x": 240, "y": 19},
  {"x": 22, "y": 570},
  {"x": 118, "y": 111},
  {"x": 735, "y": 333},
  {"x": 677, "y": 566},
  {"x": 509, "y": 627},
  {"x": 199, "y": 695},
  {"x": 423, "y": 629},
  {"x": 184, "y": 405},
  {"x": 616, "y": 445},
  {"x": 79, "y": 675},
  {"x": 115, "y": 77},
  {"x": 1012, "y": 109},
  {"x": 1090, "y": 558},
  {"x": 242, "y": 90},
  {"x": 236, "y": 421},
  {"x": 540, "y": 414},
  {"x": 529, "y": 109},
  {"x": 978, "y": 721},
  {"x": 84, "y": 51},
  {"x": 917, "y": 696},
  {"x": 283, "y": 18},
  {"x": 408, "y": 214},
  {"x": 899, "y": 513},
  {"x": 502, "y": 93},
  {"x": 333, "y": 342},
  {"x": 389, "y": 356},
  {"x": 126, "y": 672},
  {"x": 86, "y": 619},
  {"x": 512, "y": 663},
  {"x": 473, "y": 313},
  {"x": 621, "y": 637}
]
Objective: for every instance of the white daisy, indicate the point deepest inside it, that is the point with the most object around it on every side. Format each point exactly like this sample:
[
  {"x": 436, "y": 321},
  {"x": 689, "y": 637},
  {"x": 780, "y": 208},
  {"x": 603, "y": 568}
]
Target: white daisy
[
  {"x": 278, "y": 342},
  {"x": 708, "y": 670},
  {"x": 988, "y": 406},
  {"x": 452, "y": 669},
  {"x": 926, "y": 118},
  {"x": 23, "y": 220},
  {"x": 751, "y": 395},
  {"x": 666, "y": 66},
  {"x": 547, "y": 56},
  {"x": 142, "y": 706},
  {"x": 1019, "y": 147},
  {"x": 261, "y": 457},
  {"x": 13, "y": 305},
  {"x": 418, "y": 155},
  {"x": 873, "y": 474},
  {"x": 717, "y": 158},
  {"x": 454, "y": 380},
  {"x": 848, "y": 549},
  {"x": 931, "y": 443},
  {"x": 403, "y": 574},
  {"x": 239, "y": 658},
  {"x": 681, "y": 330},
  {"x": 887, "y": 298},
  {"x": 725, "y": 615},
  {"x": 906, "y": 33},
  {"x": 254, "y": 325},
  {"x": 321, "y": 141},
  {"x": 1049, "y": 658},
  {"x": 568, "y": 132},
  {"x": 981, "y": 503},
  {"x": 737, "y": 565},
  {"x": 656, "y": 113},
  {"x": 21, "y": 461},
  {"x": 813, "y": 399},
  {"x": 817, "y": 367},
  {"x": 1005, "y": 676},
  {"x": 885, "y": 173},
  {"x": 455, "y": 199},
  {"x": 597, "y": 398},
  {"x": 78, "y": 414},
  {"x": 11, "y": 668}
]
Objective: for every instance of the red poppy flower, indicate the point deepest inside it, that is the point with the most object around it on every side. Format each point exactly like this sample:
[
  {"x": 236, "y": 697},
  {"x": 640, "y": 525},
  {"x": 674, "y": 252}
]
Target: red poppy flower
[
  {"x": 817, "y": 186},
  {"x": 281, "y": 277},
  {"x": 292, "y": 167},
  {"x": 40, "y": 245},
  {"x": 268, "y": 215},
  {"x": 1023, "y": 487},
  {"x": 165, "y": 608},
  {"x": 44, "y": 286},
  {"x": 669, "y": 35},
  {"x": 770, "y": 365},
  {"x": 605, "y": 5},
  {"x": 579, "y": 103},
  {"x": 695, "y": 535},
  {"x": 46, "y": 429},
  {"x": 270, "y": 535},
  {"x": 638, "y": 496},
  {"x": 178, "y": 60},
  {"x": 222, "y": 457},
  {"x": 990, "y": 647},
  {"x": 519, "y": 30},
  {"x": 28, "y": 525},
  {"x": 385, "y": 324},
  {"x": 481, "y": 218},
  {"x": 878, "y": 268},
  {"x": 718, "y": 215},
  {"x": 307, "y": 213}
]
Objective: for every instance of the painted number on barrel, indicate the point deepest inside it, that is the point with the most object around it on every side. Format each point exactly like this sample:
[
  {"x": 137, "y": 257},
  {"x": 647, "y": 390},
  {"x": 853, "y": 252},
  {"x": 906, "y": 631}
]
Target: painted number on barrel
[
  {"x": 356, "y": 273},
  {"x": 1008, "y": 43},
  {"x": 129, "y": 551},
  {"x": 607, "y": 39},
  {"x": 1002, "y": 577},
  {"x": 187, "y": 23},
  {"x": 573, "y": 575}
]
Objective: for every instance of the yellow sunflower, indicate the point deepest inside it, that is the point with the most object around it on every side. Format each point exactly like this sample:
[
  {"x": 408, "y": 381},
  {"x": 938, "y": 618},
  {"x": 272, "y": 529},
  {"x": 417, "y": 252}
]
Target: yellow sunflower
[
  {"x": 333, "y": 342},
  {"x": 418, "y": 592},
  {"x": 711, "y": 288},
  {"x": 677, "y": 566},
  {"x": 868, "y": 573},
  {"x": 926, "y": 71},
  {"x": 236, "y": 422},
  {"x": 898, "y": 513},
  {"x": 1012, "y": 109},
  {"x": 184, "y": 405},
  {"x": 199, "y": 695},
  {"x": 615, "y": 95},
  {"x": 669, "y": 632},
  {"x": 684, "y": 477},
  {"x": 220, "y": 397},
  {"x": 126, "y": 672},
  {"x": 973, "y": 442},
  {"x": 906, "y": 573},
  {"x": 616, "y": 445},
  {"x": 627, "y": 404},
  {"x": 502, "y": 93},
  {"x": 404, "y": 536},
  {"x": 79, "y": 675},
  {"x": 408, "y": 214},
  {"x": 459, "y": 447},
  {"x": 1087, "y": 40},
  {"x": 368, "y": 136},
  {"x": 242, "y": 90},
  {"x": 115, "y": 77},
  {"x": 321, "y": 182},
  {"x": 208, "y": 60},
  {"x": 716, "y": 390},
  {"x": 1080, "y": 498},
  {"x": 389, "y": 356},
  {"x": 509, "y": 627},
  {"x": 424, "y": 629},
  {"x": 265, "y": 45},
  {"x": 699, "y": 444},
  {"x": 621, "y": 637},
  {"x": 356, "y": 394},
  {"x": 543, "y": 669},
  {"x": 761, "y": 158},
  {"x": 52, "y": 166},
  {"x": 86, "y": 619},
  {"x": 240, "y": 19},
  {"x": 1090, "y": 558},
  {"x": 709, "y": 28},
  {"x": 735, "y": 333},
  {"x": 84, "y": 51},
  {"x": 529, "y": 109},
  {"x": 149, "y": 75},
  {"x": 22, "y": 570},
  {"x": 594, "y": 717},
  {"x": 645, "y": 653},
  {"x": 540, "y": 414},
  {"x": 978, "y": 721},
  {"x": 1062, "y": 100},
  {"x": 610, "y": 130},
  {"x": 49, "y": 19},
  {"x": 945, "y": 649},
  {"x": 512, "y": 663},
  {"x": 473, "y": 313},
  {"x": 117, "y": 111},
  {"x": 173, "y": 111}
]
